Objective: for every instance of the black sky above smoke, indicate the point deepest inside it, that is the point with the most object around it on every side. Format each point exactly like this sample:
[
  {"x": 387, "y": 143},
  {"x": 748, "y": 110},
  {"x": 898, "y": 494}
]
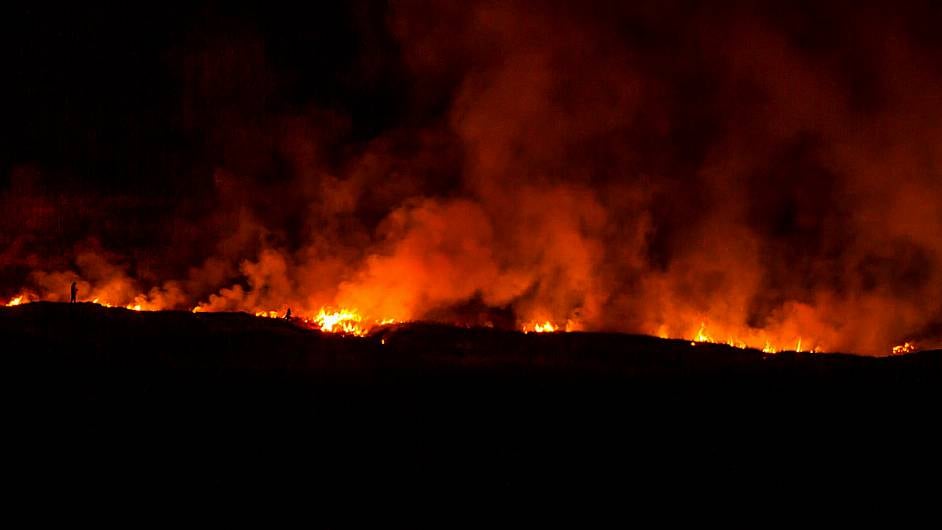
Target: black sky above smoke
[
  {"x": 103, "y": 92},
  {"x": 772, "y": 166}
]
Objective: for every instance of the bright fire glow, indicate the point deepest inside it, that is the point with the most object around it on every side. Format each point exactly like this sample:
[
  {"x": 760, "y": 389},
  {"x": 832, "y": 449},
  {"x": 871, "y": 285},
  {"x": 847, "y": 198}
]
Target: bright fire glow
[
  {"x": 17, "y": 300},
  {"x": 540, "y": 327},
  {"x": 343, "y": 321},
  {"x": 546, "y": 326},
  {"x": 346, "y": 321},
  {"x": 756, "y": 339},
  {"x": 351, "y": 321},
  {"x": 905, "y": 347},
  {"x": 134, "y": 306},
  {"x": 701, "y": 335}
]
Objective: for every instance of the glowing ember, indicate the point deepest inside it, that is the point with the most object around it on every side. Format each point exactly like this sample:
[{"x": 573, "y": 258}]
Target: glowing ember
[{"x": 905, "y": 347}]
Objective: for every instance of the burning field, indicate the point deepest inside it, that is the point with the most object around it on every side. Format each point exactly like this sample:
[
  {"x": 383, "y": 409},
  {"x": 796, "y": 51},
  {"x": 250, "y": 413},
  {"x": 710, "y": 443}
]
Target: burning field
[
  {"x": 503, "y": 244},
  {"x": 759, "y": 177}
]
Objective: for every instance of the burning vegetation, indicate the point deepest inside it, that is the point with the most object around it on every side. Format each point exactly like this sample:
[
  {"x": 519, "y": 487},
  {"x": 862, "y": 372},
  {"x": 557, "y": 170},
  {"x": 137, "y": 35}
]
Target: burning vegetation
[
  {"x": 347, "y": 321},
  {"x": 754, "y": 177}
]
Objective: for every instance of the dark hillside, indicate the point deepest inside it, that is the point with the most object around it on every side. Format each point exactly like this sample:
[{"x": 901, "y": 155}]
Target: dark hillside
[{"x": 217, "y": 398}]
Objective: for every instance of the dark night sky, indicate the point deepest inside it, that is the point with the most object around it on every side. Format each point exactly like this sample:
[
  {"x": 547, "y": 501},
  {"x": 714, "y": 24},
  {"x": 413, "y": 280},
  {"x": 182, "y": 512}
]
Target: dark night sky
[{"x": 121, "y": 98}]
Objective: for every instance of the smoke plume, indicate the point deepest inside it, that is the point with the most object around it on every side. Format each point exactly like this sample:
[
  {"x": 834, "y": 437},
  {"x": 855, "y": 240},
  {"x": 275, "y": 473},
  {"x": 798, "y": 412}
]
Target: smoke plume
[{"x": 756, "y": 175}]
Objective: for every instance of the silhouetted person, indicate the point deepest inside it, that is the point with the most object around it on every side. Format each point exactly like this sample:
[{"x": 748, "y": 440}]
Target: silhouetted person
[
  {"x": 73, "y": 291},
  {"x": 288, "y": 314}
]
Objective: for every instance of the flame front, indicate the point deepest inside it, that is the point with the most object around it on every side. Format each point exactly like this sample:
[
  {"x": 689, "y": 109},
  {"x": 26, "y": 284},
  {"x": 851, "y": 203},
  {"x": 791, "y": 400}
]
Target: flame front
[
  {"x": 15, "y": 301},
  {"x": 25, "y": 297},
  {"x": 352, "y": 321},
  {"x": 906, "y": 347},
  {"x": 344, "y": 321},
  {"x": 749, "y": 339},
  {"x": 347, "y": 321},
  {"x": 540, "y": 327}
]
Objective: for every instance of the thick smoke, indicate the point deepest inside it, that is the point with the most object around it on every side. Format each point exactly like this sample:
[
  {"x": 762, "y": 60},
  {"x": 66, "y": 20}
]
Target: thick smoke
[{"x": 759, "y": 175}]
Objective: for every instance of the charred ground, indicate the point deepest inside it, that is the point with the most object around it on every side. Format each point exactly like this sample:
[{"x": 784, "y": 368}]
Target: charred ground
[{"x": 208, "y": 400}]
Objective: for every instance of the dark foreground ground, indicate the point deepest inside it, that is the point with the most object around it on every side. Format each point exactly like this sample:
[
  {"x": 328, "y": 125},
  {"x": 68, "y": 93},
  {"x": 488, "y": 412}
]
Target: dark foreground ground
[{"x": 170, "y": 402}]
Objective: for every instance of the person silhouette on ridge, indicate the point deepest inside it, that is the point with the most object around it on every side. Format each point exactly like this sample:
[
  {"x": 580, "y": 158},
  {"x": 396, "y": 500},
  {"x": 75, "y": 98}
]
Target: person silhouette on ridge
[{"x": 73, "y": 290}]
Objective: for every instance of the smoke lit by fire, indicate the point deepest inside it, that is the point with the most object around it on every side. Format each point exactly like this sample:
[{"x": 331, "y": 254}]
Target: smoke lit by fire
[{"x": 761, "y": 178}]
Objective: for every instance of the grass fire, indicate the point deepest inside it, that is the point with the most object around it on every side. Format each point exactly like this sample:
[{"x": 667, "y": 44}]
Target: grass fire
[{"x": 468, "y": 219}]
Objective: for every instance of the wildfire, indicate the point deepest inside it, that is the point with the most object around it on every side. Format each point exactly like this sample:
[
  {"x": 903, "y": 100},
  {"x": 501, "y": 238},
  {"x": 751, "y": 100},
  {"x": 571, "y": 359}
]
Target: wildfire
[
  {"x": 906, "y": 347},
  {"x": 351, "y": 321},
  {"x": 701, "y": 335},
  {"x": 133, "y": 306},
  {"x": 753, "y": 341},
  {"x": 343, "y": 321},
  {"x": 346, "y": 321},
  {"x": 546, "y": 326},
  {"x": 540, "y": 327},
  {"x": 17, "y": 300}
]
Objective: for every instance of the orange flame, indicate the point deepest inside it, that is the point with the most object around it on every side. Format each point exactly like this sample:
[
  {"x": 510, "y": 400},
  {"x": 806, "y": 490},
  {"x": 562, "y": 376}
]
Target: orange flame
[
  {"x": 351, "y": 321},
  {"x": 17, "y": 300},
  {"x": 906, "y": 347},
  {"x": 344, "y": 321},
  {"x": 540, "y": 327},
  {"x": 547, "y": 326},
  {"x": 755, "y": 339}
]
